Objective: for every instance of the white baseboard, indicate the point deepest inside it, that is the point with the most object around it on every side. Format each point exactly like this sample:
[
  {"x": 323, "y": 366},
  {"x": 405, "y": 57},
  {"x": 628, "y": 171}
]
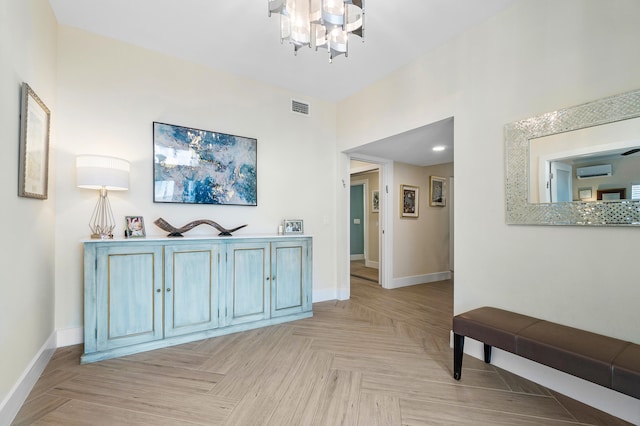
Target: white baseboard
[
  {"x": 419, "y": 279},
  {"x": 357, "y": 257},
  {"x": 20, "y": 391},
  {"x": 600, "y": 397},
  {"x": 372, "y": 264},
  {"x": 324, "y": 295},
  {"x": 70, "y": 336}
]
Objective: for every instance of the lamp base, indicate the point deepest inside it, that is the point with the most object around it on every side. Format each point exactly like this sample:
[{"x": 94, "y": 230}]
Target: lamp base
[
  {"x": 102, "y": 221},
  {"x": 102, "y": 236}
]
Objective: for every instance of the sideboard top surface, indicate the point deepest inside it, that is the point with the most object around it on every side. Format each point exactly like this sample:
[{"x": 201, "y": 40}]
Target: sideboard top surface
[{"x": 194, "y": 238}]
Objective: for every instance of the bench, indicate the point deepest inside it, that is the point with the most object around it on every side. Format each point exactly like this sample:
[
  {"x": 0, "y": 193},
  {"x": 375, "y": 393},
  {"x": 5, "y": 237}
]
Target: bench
[{"x": 609, "y": 362}]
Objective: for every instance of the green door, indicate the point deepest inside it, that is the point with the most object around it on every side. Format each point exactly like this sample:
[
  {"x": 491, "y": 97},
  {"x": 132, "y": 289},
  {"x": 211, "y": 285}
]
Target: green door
[{"x": 357, "y": 220}]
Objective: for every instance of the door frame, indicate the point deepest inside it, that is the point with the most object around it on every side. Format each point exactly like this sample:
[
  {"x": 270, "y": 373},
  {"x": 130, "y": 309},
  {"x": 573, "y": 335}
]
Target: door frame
[{"x": 385, "y": 230}]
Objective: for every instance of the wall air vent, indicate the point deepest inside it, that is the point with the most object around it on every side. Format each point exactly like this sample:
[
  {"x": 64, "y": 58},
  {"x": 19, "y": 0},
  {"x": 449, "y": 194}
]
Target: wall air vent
[
  {"x": 300, "y": 107},
  {"x": 593, "y": 171}
]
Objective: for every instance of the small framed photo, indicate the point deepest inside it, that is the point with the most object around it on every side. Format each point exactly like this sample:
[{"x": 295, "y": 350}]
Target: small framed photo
[
  {"x": 437, "y": 191},
  {"x": 134, "y": 227},
  {"x": 585, "y": 193},
  {"x": 33, "y": 177},
  {"x": 409, "y": 200},
  {"x": 293, "y": 226},
  {"x": 375, "y": 201}
]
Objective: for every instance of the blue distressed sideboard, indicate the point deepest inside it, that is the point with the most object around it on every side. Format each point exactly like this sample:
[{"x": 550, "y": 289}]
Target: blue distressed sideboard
[{"x": 144, "y": 294}]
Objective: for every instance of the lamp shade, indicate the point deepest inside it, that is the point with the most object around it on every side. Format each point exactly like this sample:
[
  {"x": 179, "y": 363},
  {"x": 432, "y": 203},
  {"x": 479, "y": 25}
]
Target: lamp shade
[{"x": 99, "y": 171}]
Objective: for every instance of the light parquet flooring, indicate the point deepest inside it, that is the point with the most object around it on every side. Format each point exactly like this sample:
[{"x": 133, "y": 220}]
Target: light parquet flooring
[
  {"x": 380, "y": 358},
  {"x": 359, "y": 270}
]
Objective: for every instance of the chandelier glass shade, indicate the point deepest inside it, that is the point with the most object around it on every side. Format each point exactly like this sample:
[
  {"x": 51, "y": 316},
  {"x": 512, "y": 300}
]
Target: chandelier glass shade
[{"x": 319, "y": 23}]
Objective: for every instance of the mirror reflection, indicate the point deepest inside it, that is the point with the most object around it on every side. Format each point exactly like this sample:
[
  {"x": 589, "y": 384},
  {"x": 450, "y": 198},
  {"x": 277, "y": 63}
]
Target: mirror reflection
[{"x": 594, "y": 163}]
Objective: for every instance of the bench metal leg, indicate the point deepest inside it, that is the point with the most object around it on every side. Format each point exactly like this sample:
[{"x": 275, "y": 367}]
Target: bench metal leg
[
  {"x": 487, "y": 353},
  {"x": 458, "y": 350}
]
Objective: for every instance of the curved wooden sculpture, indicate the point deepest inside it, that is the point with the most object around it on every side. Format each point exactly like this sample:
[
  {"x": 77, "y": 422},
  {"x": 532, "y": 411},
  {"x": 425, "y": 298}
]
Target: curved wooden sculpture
[{"x": 177, "y": 232}]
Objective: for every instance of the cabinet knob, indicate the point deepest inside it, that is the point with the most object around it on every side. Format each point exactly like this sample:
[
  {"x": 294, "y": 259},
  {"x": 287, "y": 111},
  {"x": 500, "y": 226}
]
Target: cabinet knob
[
  {"x": 168, "y": 290},
  {"x": 274, "y": 278},
  {"x": 268, "y": 278},
  {"x": 158, "y": 290}
]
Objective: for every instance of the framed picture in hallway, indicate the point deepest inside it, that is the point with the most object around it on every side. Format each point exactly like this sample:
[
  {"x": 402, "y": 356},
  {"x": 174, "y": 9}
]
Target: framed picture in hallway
[
  {"x": 437, "y": 194},
  {"x": 409, "y": 200},
  {"x": 375, "y": 201}
]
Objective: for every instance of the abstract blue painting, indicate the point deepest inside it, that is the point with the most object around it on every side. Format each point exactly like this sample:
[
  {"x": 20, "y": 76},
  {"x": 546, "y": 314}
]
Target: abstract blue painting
[{"x": 203, "y": 167}]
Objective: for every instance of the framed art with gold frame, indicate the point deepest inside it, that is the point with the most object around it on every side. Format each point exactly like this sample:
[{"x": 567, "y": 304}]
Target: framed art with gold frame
[
  {"x": 409, "y": 200},
  {"x": 33, "y": 170}
]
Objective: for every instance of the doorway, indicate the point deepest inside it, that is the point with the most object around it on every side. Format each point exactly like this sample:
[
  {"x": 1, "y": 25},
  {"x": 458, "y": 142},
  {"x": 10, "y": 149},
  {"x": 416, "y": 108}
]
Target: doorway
[{"x": 364, "y": 220}]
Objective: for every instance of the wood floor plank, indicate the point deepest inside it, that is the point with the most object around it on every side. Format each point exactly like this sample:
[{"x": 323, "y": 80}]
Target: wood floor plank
[
  {"x": 171, "y": 357},
  {"x": 467, "y": 397},
  {"x": 36, "y": 408},
  {"x": 233, "y": 354},
  {"x": 261, "y": 400},
  {"x": 379, "y": 410},
  {"x": 77, "y": 413},
  {"x": 416, "y": 413},
  {"x": 121, "y": 393},
  {"x": 302, "y": 398},
  {"x": 251, "y": 364},
  {"x": 341, "y": 400},
  {"x": 159, "y": 376},
  {"x": 410, "y": 366}
]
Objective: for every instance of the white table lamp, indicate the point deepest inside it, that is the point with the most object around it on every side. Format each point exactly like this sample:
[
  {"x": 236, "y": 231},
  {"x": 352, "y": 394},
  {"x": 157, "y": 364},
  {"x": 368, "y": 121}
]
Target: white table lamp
[{"x": 102, "y": 173}]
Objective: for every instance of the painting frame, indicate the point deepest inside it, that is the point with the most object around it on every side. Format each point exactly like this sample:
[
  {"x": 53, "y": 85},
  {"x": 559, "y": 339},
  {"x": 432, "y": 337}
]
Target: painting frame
[
  {"x": 437, "y": 191},
  {"x": 134, "y": 227},
  {"x": 195, "y": 166},
  {"x": 585, "y": 193},
  {"x": 293, "y": 226},
  {"x": 375, "y": 201},
  {"x": 409, "y": 201},
  {"x": 33, "y": 169}
]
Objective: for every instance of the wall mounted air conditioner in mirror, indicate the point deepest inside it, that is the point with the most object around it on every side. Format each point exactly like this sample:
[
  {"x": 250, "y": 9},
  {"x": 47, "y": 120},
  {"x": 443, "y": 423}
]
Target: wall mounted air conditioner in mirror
[{"x": 593, "y": 171}]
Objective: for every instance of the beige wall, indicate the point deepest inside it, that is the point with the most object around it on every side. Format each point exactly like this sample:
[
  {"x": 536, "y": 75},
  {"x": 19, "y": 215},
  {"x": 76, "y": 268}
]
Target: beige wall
[
  {"x": 420, "y": 245},
  {"x": 109, "y": 93},
  {"x": 27, "y": 54}
]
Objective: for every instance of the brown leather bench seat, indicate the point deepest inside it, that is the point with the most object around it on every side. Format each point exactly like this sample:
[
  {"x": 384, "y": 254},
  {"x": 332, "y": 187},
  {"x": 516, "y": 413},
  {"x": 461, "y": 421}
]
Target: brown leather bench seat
[{"x": 609, "y": 362}]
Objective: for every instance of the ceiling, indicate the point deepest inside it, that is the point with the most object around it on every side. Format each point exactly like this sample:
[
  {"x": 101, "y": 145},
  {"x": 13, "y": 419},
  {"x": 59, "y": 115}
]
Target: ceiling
[
  {"x": 414, "y": 146},
  {"x": 238, "y": 37}
]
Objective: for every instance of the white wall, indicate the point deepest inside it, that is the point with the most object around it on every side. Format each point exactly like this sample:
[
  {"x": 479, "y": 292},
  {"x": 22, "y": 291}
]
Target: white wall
[
  {"x": 27, "y": 54},
  {"x": 109, "y": 93},
  {"x": 537, "y": 56}
]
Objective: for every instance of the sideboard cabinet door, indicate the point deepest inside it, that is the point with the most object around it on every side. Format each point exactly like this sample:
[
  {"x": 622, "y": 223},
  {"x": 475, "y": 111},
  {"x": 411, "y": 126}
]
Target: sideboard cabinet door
[
  {"x": 290, "y": 277},
  {"x": 247, "y": 282},
  {"x": 191, "y": 288},
  {"x": 128, "y": 295}
]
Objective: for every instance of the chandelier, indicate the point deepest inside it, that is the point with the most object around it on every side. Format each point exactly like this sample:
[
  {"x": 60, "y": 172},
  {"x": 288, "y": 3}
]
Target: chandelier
[{"x": 319, "y": 23}]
